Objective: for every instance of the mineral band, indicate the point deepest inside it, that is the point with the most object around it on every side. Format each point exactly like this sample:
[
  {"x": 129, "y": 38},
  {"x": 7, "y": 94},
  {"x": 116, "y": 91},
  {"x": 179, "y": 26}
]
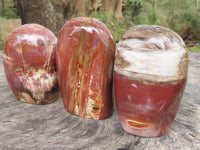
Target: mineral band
[{"x": 160, "y": 66}]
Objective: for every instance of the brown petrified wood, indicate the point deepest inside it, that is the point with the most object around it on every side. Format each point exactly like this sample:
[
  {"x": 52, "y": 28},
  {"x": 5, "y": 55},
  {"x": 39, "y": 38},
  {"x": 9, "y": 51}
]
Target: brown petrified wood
[{"x": 49, "y": 127}]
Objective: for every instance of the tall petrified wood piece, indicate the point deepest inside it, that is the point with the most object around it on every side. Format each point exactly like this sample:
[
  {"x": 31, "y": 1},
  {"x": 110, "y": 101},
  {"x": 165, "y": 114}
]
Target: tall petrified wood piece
[{"x": 85, "y": 54}]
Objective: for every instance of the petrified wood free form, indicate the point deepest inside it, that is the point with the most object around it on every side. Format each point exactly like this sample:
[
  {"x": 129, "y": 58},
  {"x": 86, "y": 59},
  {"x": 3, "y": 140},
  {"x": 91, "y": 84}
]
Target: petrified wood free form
[
  {"x": 150, "y": 73},
  {"x": 49, "y": 127},
  {"x": 85, "y": 54},
  {"x": 30, "y": 64}
]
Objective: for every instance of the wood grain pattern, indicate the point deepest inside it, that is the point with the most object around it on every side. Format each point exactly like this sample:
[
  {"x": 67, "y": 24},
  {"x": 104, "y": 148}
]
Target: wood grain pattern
[{"x": 30, "y": 127}]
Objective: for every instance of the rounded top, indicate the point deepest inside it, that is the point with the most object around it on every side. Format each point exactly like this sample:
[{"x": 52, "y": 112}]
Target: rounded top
[
  {"x": 87, "y": 24},
  {"x": 32, "y": 28},
  {"x": 151, "y": 38},
  {"x": 83, "y": 30},
  {"x": 30, "y": 45},
  {"x": 29, "y": 34},
  {"x": 152, "y": 54}
]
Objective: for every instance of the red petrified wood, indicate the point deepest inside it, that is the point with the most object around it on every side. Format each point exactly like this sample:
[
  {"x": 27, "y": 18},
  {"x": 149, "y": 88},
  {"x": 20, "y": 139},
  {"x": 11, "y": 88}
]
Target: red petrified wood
[
  {"x": 30, "y": 64},
  {"x": 151, "y": 65},
  {"x": 85, "y": 53}
]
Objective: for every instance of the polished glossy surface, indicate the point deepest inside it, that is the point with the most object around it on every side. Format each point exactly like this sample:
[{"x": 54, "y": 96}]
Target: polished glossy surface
[
  {"x": 30, "y": 64},
  {"x": 24, "y": 127},
  {"x": 85, "y": 54},
  {"x": 150, "y": 74},
  {"x": 144, "y": 109}
]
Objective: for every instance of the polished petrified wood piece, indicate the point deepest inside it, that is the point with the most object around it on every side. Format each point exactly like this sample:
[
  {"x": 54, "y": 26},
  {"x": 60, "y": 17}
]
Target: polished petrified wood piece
[
  {"x": 30, "y": 64},
  {"x": 85, "y": 53},
  {"x": 50, "y": 127},
  {"x": 150, "y": 72}
]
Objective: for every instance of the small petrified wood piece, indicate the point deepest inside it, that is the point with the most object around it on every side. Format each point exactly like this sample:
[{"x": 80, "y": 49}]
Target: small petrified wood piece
[{"x": 30, "y": 64}]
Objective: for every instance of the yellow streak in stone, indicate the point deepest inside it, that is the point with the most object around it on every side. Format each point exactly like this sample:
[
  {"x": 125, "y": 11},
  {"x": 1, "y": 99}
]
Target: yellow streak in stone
[
  {"x": 138, "y": 124},
  {"x": 7, "y": 59},
  {"x": 90, "y": 102},
  {"x": 19, "y": 49}
]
